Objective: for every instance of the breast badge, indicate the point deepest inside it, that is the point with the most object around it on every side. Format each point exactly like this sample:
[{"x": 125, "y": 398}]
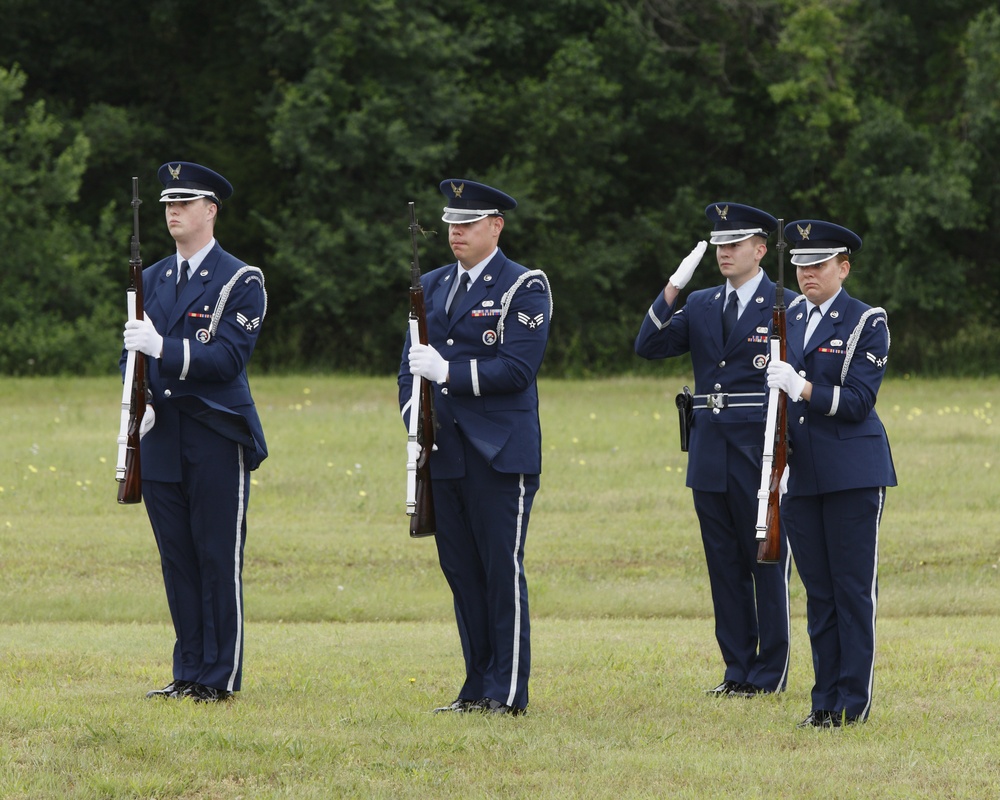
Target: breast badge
[
  {"x": 203, "y": 335},
  {"x": 489, "y": 338}
]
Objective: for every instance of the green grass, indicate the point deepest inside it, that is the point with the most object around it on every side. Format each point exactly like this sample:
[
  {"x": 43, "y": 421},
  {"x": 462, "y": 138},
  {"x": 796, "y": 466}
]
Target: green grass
[{"x": 350, "y": 639}]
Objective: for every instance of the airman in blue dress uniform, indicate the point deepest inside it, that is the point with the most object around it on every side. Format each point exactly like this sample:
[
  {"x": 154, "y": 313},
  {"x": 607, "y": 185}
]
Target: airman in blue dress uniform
[
  {"x": 201, "y": 436},
  {"x": 488, "y": 325},
  {"x": 838, "y": 468},
  {"x": 726, "y": 440}
]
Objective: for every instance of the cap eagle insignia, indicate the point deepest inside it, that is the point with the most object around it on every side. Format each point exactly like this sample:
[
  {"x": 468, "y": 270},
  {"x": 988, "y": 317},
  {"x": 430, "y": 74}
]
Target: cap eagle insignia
[
  {"x": 457, "y": 190},
  {"x": 175, "y": 172},
  {"x": 804, "y": 232},
  {"x": 722, "y": 212}
]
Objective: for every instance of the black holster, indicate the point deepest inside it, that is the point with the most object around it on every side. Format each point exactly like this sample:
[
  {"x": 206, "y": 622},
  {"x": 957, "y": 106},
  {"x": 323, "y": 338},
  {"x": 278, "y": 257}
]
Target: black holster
[{"x": 685, "y": 413}]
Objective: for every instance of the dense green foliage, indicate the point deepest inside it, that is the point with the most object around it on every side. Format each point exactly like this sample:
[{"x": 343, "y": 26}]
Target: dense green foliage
[{"x": 613, "y": 122}]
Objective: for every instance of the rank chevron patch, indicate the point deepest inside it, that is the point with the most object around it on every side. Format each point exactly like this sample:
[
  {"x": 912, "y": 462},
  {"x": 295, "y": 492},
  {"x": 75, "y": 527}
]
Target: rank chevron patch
[
  {"x": 247, "y": 323},
  {"x": 532, "y": 322}
]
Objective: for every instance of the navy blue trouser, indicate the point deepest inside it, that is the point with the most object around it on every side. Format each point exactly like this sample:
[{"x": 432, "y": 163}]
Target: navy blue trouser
[
  {"x": 752, "y": 623},
  {"x": 200, "y": 529},
  {"x": 834, "y": 540},
  {"x": 482, "y": 520}
]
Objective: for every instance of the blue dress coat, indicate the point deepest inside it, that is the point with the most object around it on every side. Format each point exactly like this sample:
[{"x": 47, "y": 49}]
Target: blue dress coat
[
  {"x": 206, "y": 380},
  {"x": 491, "y": 395},
  {"x": 837, "y": 439},
  {"x": 738, "y": 366}
]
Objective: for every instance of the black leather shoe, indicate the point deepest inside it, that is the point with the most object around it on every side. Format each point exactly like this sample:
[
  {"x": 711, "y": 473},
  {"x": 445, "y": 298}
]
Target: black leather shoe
[
  {"x": 489, "y": 706},
  {"x": 459, "y": 706},
  {"x": 725, "y": 689},
  {"x": 173, "y": 689},
  {"x": 749, "y": 690},
  {"x": 820, "y": 719},
  {"x": 206, "y": 694}
]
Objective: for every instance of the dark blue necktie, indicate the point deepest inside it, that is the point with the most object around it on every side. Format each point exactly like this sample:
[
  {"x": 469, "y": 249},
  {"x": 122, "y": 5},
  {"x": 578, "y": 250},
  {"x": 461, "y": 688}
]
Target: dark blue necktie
[
  {"x": 182, "y": 282},
  {"x": 815, "y": 313},
  {"x": 463, "y": 287},
  {"x": 730, "y": 315}
]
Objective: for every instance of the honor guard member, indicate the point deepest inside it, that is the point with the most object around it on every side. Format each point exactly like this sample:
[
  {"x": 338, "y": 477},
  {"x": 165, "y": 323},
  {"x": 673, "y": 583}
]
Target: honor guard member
[
  {"x": 202, "y": 436},
  {"x": 839, "y": 465},
  {"x": 725, "y": 330},
  {"x": 487, "y": 326}
]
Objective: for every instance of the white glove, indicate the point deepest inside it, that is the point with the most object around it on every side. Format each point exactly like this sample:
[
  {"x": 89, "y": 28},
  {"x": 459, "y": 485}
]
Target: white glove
[
  {"x": 426, "y": 362},
  {"x": 148, "y": 421},
  {"x": 783, "y": 483},
  {"x": 686, "y": 268},
  {"x": 142, "y": 336},
  {"x": 781, "y": 375}
]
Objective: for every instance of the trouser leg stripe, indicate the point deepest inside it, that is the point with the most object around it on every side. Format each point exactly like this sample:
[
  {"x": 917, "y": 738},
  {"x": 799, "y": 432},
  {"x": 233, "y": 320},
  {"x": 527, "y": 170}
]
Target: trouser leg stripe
[
  {"x": 515, "y": 661},
  {"x": 237, "y": 573},
  {"x": 874, "y": 596}
]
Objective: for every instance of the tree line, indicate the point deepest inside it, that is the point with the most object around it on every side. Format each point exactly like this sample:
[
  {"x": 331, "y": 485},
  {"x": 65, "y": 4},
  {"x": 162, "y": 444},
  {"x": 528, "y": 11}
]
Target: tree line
[{"x": 613, "y": 123}]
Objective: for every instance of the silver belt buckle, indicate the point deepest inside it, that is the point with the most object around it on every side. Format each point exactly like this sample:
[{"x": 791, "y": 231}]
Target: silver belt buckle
[{"x": 716, "y": 401}]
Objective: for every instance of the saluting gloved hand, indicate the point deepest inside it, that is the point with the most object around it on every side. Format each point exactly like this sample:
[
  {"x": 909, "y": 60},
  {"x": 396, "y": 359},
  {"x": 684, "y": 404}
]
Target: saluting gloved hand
[
  {"x": 686, "y": 268},
  {"x": 426, "y": 362},
  {"x": 148, "y": 421},
  {"x": 782, "y": 375},
  {"x": 141, "y": 335}
]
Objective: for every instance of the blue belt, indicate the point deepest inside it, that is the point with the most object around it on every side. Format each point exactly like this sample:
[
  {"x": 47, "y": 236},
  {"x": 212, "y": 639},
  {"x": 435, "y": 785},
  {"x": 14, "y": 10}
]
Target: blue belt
[{"x": 722, "y": 400}]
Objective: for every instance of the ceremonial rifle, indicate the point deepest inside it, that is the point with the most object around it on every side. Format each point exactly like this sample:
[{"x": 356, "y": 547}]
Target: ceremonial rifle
[
  {"x": 129, "y": 472},
  {"x": 420, "y": 441},
  {"x": 775, "y": 432}
]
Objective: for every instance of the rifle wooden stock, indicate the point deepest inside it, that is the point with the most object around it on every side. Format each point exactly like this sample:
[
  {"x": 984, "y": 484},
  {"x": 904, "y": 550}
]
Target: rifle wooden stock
[
  {"x": 129, "y": 469},
  {"x": 775, "y": 433},
  {"x": 420, "y": 498}
]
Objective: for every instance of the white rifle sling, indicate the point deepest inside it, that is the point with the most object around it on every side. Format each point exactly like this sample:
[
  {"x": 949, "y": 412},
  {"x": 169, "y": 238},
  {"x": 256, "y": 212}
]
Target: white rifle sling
[
  {"x": 126, "y": 395},
  {"x": 764, "y": 491},
  {"x": 413, "y": 447}
]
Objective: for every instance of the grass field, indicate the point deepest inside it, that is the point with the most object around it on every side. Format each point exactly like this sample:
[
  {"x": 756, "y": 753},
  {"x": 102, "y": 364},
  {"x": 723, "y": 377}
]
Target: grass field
[{"x": 350, "y": 638}]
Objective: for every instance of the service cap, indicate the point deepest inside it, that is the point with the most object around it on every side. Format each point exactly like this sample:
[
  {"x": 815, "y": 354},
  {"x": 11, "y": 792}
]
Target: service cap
[
  {"x": 469, "y": 201},
  {"x": 183, "y": 181},
  {"x": 734, "y": 222},
  {"x": 814, "y": 241}
]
